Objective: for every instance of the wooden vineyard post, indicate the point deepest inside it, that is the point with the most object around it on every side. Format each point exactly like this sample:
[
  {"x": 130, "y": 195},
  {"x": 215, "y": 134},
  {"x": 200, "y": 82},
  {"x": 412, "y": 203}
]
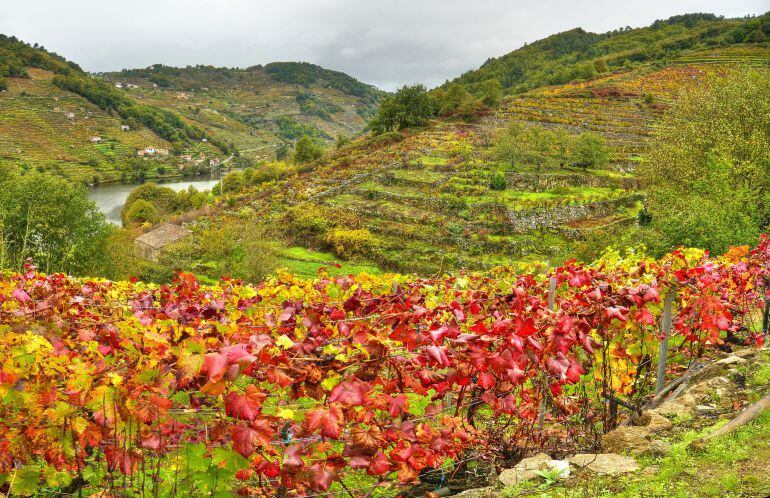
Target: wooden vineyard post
[
  {"x": 552, "y": 307},
  {"x": 666, "y": 328}
]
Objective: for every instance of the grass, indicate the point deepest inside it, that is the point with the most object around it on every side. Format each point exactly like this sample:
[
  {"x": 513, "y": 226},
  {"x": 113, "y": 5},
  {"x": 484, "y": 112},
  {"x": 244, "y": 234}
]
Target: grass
[
  {"x": 731, "y": 466},
  {"x": 306, "y": 262}
]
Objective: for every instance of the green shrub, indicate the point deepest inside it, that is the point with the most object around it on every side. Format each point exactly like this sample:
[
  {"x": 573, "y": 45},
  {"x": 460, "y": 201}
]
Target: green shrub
[
  {"x": 233, "y": 183},
  {"x": 497, "y": 181},
  {"x": 306, "y": 150},
  {"x": 141, "y": 211},
  {"x": 350, "y": 243},
  {"x": 306, "y": 223}
]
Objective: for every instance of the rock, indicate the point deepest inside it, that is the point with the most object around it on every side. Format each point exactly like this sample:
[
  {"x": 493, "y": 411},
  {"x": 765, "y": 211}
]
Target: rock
[
  {"x": 730, "y": 360},
  {"x": 651, "y": 470},
  {"x": 658, "y": 448},
  {"x": 488, "y": 492},
  {"x": 629, "y": 439},
  {"x": 443, "y": 491},
  {"x": 706, "y": 408},
  {"x": 720, "y": 386},
  {"x": 523, "y": 470},
  {"x": 681, "y": 406},
  {"x": 653, "y": 421},
  {"x": 561, "y": 467},
  {"x": 605, "y": 463}
]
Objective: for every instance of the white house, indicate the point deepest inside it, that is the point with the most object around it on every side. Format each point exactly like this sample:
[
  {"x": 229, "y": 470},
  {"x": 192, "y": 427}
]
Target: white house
[
  {"x": 96, "y": 140},
  {"x": 118, "y": 85},
  {"x": 151, "y": 150},
  {"x": 70, "y": 115},
  {"x": 125, "y": 127}
]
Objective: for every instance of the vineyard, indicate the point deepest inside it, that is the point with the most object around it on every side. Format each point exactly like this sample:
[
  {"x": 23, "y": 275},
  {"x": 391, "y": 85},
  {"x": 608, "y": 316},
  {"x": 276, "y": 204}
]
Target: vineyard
[
  {"x": 248, "y": 106},
  {"x": 45, "y": 128},
  {"x": 344, "y": 385},
  {"x": 421, "y": 199}
]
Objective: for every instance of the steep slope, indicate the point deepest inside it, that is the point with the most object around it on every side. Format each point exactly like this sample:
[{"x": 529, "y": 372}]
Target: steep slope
[
  {"x": 258, "y": 107},
  {"x": 580, "y": 55},
  {"x": 57, "y": 118},
  {"x": 422, "y": 199}
]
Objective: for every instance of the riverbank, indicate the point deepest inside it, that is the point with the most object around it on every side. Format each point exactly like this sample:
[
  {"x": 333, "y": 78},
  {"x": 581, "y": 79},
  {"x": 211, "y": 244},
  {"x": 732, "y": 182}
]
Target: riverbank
[{"x": 111, "y": 197}]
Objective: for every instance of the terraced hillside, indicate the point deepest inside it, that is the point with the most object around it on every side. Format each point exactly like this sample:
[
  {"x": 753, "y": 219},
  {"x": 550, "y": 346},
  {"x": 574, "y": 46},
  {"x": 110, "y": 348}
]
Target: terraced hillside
[
  {"x": 80, "y": 134},
  {"x": 45, "y": 128},
  {"x": 258, "y": 107},
  {"x": 57, "y": 118},
  {"x": 580, "y": 55},
  {"x": 421, "y": 200}
]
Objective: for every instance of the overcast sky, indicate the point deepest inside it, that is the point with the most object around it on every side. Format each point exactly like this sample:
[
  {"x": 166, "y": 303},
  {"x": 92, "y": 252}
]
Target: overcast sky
[{"x": 384, "y": 42}]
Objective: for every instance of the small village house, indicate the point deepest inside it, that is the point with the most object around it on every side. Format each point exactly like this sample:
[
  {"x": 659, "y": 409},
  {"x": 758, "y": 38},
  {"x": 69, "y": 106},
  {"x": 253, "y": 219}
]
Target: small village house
[
  {"x": 118, "y": 85},
  {"x": 162, "y": 152},
  {"x": 70, "y": 115},
  {"x": 149, "y": 246},
  {"x": 125, "y": 127},
  {"x": 148, "y": 151},
  {"x": 96, "y": 140}
]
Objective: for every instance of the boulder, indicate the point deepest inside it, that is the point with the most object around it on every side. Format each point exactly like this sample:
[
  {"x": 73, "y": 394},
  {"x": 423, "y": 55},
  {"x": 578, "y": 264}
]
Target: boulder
[
  {"x": 488, "y": 492},
  {"x": 681, "y": 406},
  {"x": 719, "y": 386},
  {"x": 731, "y": 360},
  {"x": 651, "y": 470},
  {"x": 605, "y": 463},
  {"x": 658, "y": 448},
  {"x": 523, "y": 470},
  {"x": 629, "y": 439},
  {"x": 653, "y": 421}
]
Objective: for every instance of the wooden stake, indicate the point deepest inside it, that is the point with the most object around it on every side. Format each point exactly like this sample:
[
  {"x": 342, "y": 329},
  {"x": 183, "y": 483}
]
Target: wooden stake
[
  {"x": 748, "y": 415},
  {"x": 663, "y": 354}
]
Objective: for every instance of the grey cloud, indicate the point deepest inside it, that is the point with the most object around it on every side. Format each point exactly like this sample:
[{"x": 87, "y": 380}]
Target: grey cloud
[{"x": 385, "y": 42}]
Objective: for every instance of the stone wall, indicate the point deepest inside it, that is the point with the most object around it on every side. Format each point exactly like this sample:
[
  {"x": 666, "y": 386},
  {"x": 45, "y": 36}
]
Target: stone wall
[
  {"x": 521, "y": 221},
  {"x": 533, "y": 182}
]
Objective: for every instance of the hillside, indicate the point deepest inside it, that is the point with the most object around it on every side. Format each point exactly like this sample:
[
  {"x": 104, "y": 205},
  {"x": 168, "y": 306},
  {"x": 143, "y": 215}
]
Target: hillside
[
  {"x": 57, "y": 118},
  {"x": 580, "y": 55},
  {"x": 344, "y": 385},
  {"x": 422, "y": 199},
  {"x": 258, "y": 107}
]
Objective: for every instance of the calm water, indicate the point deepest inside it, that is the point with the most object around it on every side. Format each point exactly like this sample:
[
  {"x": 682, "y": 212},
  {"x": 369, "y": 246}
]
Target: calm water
[{"x": 111, "y": 197}]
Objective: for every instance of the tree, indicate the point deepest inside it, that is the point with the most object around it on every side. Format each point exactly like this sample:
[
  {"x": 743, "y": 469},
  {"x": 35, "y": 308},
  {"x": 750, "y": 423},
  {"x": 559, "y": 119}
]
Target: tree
[
  {"x": 341, "y": 141},
  {"x": 600, "y": 66},
  {"x": 497, "y": 181},
  {"x": 708, "y": 169},
  {"x": 281, "y": 152},
  {"x": 410, "y": 106},
  {"x": 591, "y": 151},
  {"x": 306, "y": 150},
  {"x": 491, "y": 92},
  {"x": 233, "y": 183},
  {"x": 163, "y": 200},
  {"x": 564, "y": 144},
  {"x": 52, "y": 221},
  {"x": 141, "y": 211}
]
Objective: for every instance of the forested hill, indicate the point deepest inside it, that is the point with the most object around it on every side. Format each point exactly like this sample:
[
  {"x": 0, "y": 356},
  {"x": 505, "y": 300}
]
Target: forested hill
[
  {"x": 260, "y": 107},
  {"x": 18, "y": 57},
  {"x": 580, "y": 55},
  {"x": 57, "y": 118}
]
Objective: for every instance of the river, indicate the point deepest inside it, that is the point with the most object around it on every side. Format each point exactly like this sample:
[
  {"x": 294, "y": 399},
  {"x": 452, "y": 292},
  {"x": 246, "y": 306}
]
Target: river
[{"x": 110, "y": 197}]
